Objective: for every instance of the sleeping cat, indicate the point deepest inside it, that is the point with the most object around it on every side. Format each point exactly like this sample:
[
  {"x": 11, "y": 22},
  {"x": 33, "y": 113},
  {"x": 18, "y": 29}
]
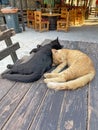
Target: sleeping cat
[
  {"x": 80, "y": 70},
  {"x": 35, "y": 67}
]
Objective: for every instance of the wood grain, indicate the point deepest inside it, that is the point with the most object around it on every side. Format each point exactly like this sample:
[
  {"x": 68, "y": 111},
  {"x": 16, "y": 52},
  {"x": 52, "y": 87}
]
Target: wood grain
[
  {"x": 10, "y": 102},
  {"x": 33, "y": 106}
]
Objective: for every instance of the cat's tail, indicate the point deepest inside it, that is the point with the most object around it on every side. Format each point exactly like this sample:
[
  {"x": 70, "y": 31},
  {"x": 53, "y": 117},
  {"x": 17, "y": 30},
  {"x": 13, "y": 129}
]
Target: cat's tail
[
  {"x": 73, "y": 84},
  {"x": 22, "y": 78}
]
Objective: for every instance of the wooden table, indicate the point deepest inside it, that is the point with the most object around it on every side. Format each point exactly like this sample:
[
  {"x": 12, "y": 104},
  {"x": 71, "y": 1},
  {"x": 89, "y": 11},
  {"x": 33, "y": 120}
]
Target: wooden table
[
  {"x": 52, "y": 17},
  {"x": 32, "y": 106}
]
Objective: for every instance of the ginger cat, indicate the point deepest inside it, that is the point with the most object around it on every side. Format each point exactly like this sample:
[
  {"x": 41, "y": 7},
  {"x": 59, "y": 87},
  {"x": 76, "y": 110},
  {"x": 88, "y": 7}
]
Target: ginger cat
[{"x": 80, "y": 70}]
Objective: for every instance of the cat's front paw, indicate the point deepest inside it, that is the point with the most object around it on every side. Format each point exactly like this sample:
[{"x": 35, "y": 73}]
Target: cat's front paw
[
  {"x": 47, "y": 75},
  {"x": 52, "y": 85},
  {"x": 51, "y": 75},
  {"x": 46, "y": 80}
]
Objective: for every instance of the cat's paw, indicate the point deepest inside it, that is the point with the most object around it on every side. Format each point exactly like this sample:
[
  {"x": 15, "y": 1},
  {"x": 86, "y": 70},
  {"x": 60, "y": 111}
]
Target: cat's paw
[
  {"x": 3, "y": 75},
  {"x": 46, "y": 80},
  {"x": 47, "y": 75},
  {"x": 51, "y": 75},
  {"x": 9, "y": 66},
  {"x": 55, "y": 71},
  {"x": 53, "y": 85}
]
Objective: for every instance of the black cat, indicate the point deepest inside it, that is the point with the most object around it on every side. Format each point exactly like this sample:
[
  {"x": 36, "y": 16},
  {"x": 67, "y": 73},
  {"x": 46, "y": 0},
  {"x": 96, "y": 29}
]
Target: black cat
[{"x": 35, "y": 67}]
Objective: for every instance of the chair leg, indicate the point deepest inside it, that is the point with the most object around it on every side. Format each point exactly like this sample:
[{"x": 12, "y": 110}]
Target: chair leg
[
  {"x": 40, "y": 28},
  {"x": 28, "y": 24}
]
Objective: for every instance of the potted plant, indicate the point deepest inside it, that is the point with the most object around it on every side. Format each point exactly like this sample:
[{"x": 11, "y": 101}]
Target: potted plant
[{"x": 50, "y": 3}]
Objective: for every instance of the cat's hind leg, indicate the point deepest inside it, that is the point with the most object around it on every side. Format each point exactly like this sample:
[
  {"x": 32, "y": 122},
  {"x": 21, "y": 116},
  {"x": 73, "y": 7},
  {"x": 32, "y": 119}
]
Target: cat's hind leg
[
  {"x": 6, "y": 72},
  {"x": 22, "y": 77},
  {"x": 10, "y": 66},
  {"x": 72, "y": 84}
]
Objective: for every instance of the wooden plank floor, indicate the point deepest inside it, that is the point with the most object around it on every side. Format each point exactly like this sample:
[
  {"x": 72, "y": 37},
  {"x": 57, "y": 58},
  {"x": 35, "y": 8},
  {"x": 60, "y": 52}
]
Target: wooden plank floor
[{"x": 32, "y": 106}]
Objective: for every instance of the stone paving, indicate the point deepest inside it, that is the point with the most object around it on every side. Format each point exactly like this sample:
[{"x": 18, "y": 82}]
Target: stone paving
[{"x": 30, "y": 38}]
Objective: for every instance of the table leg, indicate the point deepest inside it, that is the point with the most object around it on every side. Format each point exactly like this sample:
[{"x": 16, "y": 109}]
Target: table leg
[{"x": 52, "y": 22}]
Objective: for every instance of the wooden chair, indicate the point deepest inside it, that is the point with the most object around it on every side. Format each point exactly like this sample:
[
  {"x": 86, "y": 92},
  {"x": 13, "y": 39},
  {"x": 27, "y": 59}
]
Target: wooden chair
[
  {"x": 41, "y": 24},
  {"x": 30, "y": 19},
  {"x": 63, "y": 22},
  {"x": 79, "y": 16},
  {"x": 72, "y": 17}
]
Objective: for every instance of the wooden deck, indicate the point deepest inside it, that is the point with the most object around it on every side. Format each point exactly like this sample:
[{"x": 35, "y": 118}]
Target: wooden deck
[{"x": 32, "y": 106}]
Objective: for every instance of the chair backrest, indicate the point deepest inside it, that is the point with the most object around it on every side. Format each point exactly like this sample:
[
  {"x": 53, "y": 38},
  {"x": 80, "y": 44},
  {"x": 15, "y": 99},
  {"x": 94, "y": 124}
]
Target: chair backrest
[
  {"x": 63, "y": 23},
  {"x": 72, "y": 13},
  {"x": 80, "y": 15},
  {"x": 79, "y": 12},
  {"x": 64, "y": 13},
  {"x": 72, "y": 16},
  {"x": 37, "y": 16},
  {"x": 30, "y": 14}
]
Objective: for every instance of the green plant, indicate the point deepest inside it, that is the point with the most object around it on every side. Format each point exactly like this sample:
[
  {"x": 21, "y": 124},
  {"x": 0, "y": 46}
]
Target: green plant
[{"x": 49, "y": 2}]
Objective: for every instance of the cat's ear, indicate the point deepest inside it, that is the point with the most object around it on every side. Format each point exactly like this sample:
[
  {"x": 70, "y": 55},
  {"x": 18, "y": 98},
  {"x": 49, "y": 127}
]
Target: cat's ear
[{"x": 54, "y": 51}]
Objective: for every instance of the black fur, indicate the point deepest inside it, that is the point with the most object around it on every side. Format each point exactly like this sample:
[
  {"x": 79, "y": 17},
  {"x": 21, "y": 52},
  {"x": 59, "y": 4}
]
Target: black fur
[
  {"x": 34, "y": 68},
  {"x": 36, "y": 49}
]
